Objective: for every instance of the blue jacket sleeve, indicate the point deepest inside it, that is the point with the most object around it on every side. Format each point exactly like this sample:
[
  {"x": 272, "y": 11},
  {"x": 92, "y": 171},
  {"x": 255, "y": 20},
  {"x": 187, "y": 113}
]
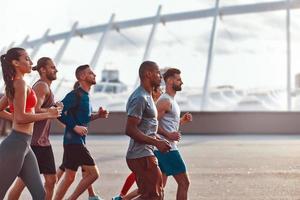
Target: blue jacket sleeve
[{"x": 69, "y": 102}]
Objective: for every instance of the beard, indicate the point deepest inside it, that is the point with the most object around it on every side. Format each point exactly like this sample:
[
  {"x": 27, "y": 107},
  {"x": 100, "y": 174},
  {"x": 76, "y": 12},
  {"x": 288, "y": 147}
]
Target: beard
[
  {"x": 51, "y": 77},
  {"x": 92, "y": 82},
  {"x": 177, "y": 87}
]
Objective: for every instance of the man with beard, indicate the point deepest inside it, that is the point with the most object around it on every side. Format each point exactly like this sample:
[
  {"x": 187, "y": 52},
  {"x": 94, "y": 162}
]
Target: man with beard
[
  {"x": 171, "y": 163},
  {"x": 76, "y": 115},
  {"x": 40, "y": 143},
  {"x": 141, "y": 127}
]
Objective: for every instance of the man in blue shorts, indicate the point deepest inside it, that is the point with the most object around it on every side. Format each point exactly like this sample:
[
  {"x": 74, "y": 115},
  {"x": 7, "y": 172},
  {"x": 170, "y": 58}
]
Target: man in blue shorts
[{"x": 171, "y": 163}]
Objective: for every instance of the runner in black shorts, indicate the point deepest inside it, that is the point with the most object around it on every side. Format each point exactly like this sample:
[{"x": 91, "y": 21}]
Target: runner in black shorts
[
  {"x": 61, "y": 170},
  {"x": 45, "y": 159},
  {"x": 76, "y": 116}
]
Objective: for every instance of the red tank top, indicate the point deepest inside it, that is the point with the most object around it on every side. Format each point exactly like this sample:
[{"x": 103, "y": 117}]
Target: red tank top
[{"x": 31, "y": 101}]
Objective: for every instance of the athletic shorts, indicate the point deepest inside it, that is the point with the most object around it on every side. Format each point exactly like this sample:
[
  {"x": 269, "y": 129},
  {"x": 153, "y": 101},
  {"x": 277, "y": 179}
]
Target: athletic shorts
[
  {"x": 62, "y": 167},
  {"x": 76, "y": 155},
  {"x": 170, "y": 163},
  {"x": 45, "y": 159}
]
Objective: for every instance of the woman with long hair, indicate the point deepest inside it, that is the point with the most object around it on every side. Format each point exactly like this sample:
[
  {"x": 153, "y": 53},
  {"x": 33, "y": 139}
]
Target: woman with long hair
[{"x": 16, "y": 156}]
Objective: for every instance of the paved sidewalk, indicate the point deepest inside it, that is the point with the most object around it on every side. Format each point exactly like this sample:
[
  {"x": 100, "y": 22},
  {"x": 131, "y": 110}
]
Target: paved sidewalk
[{"x": 221, "y": 167}]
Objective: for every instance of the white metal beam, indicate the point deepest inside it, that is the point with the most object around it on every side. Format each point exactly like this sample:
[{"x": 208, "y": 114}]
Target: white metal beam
[
  {"x": 61, "y": 52},
  {"x": 37, "y": 47},
  {"x": 101, "y": 43},
  {"x": 205, "y": 97},
  {"x": 33, "y": 53},
  {"x": 152, "y": 34},
  {"x": 24, "y": 41},
  {"x": 63, "y": 47},
  {"x": 96, "y": 56},
  {"x": 150, "y": 40},
  {"x": 11, "y": 45},
  {"x": 198, "y": 14}
]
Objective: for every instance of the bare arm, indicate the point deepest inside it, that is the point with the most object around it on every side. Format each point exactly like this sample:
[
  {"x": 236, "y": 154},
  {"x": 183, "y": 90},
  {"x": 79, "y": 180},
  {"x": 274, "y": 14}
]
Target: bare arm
[
  {"x": 133, "y": 132},
  {"x": 19, "y": 100},
  {"x": 163, "y": 106},
  {"x": 4, "y": 104},
  {"x": 41, "y": 90},
  {"x": 186, "y": 118},
  {"x": 102, "y": 113},
  {"x": 6, "y": 115},
  {"x": 94, "y": 116}
]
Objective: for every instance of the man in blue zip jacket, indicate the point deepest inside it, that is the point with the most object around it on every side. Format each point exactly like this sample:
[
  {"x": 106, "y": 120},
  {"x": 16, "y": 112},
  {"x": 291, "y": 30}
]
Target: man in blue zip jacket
[{"x": 76, "y": 115}]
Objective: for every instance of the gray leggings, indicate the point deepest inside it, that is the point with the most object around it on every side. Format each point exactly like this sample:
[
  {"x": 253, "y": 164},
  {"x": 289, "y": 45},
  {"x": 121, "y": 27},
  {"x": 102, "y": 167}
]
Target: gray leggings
[{"x": 17, "y": 159}]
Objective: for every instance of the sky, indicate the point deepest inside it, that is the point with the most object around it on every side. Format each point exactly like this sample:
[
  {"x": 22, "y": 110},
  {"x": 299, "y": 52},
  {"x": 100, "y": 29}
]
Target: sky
[{"x": 249, "y": 51}]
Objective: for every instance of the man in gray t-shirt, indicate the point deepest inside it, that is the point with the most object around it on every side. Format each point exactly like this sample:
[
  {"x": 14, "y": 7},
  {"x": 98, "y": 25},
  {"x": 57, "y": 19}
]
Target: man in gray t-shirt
[
  {"x": 142, "y": 127},
  {"x": 142, "y": 106}
]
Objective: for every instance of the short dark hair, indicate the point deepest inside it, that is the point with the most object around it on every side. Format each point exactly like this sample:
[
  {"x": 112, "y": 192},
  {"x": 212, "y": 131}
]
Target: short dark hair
[
  {"x": 170, "y": 73},
  {"x": 146, "y": 66},
  {"x": 80, "y": 69},
  {"x": 42, "y": 62}
]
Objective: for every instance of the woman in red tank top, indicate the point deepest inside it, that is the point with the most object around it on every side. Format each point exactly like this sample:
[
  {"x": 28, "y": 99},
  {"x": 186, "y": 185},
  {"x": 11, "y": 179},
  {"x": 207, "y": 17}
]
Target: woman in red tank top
[
  {"x": 30, "y": 103},
  {"x": 16, "y": 156}
]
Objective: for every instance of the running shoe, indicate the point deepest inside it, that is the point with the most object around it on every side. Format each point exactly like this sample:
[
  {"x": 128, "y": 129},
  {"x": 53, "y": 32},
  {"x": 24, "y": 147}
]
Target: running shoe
[
  {"x": 117, "y": 198},
  {"x": 95, "y": 198}
]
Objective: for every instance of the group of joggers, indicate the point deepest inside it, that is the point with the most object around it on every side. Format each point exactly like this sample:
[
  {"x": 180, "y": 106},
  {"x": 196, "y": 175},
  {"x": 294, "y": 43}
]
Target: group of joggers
[{"x": 153, "y": 121}]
